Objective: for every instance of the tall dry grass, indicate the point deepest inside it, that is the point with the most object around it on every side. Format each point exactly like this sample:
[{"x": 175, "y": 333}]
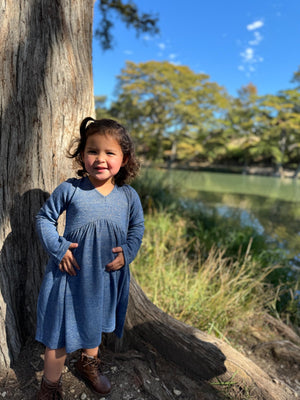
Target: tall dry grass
[{"x": 212, "y": 294}]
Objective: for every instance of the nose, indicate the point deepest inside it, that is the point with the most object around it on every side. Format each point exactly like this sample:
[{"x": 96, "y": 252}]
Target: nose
[{"x": 100, "y": 158}]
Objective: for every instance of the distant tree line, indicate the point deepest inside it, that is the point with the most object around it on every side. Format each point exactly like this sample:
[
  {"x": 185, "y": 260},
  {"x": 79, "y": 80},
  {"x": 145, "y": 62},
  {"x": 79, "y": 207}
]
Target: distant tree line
[{"x": 179, "y": 116}]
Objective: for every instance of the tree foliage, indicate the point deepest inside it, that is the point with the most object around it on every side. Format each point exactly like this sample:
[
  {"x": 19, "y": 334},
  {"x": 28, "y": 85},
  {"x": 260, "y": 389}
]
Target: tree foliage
[
  {"x": 167, "y": 106},
  {"x": 178, "y": 115},
  {"x": 129, "y": 14},
  {"x": 284, "y": 128}
]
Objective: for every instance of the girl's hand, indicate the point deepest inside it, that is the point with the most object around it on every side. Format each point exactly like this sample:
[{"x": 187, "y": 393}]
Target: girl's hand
[
  {"x": 118, "y": 262},
  {"x": 68, "y": 262}
]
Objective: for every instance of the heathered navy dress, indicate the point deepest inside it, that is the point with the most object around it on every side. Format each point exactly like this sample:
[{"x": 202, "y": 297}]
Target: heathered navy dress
[{"x": 73, "y": 311}]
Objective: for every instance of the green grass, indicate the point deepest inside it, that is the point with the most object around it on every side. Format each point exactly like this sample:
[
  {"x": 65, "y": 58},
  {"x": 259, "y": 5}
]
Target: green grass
[{"x": 209, "y": 293}]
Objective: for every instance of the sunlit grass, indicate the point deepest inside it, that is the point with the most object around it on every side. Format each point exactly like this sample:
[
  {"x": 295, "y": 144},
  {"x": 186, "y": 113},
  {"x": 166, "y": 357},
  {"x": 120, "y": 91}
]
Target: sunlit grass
[{"x": 211, "y": 293}]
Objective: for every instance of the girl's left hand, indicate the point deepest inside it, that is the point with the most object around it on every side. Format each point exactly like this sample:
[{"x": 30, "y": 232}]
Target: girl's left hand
[{"x": 118, "y": 262}]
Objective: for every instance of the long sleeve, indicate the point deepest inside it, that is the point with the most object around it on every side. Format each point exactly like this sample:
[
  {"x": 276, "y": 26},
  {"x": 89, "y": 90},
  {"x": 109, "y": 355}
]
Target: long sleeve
[
  {"x": 135, "y": 229},
  {"x": 46, "y": 221}
]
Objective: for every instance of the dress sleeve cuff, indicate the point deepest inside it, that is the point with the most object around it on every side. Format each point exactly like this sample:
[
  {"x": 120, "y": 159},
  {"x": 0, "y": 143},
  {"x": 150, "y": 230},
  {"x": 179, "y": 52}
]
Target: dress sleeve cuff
[
  {"x": 126, "y": 255},
  {"x": 62, "y": 249}
]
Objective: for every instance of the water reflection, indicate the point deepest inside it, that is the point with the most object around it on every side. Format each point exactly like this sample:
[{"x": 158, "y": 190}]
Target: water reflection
[
  {"x": 278, "y": 219},
  {"x": 246, "y": 218},
  {"x": 275, "y": 188},
  {"x": 271, "y": 205}
]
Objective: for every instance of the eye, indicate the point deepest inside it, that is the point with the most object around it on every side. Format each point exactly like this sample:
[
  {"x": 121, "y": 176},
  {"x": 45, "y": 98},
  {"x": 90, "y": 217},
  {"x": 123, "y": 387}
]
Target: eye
[
  {"x": 92, "y": 152},
  {"x": 111, "y": 153}
]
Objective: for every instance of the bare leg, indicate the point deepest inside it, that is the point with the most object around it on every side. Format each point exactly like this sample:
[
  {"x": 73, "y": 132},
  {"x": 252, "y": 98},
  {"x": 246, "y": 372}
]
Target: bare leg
[
  {"x": 91, "y": 352},
  {"x": 54, "y": 363}
]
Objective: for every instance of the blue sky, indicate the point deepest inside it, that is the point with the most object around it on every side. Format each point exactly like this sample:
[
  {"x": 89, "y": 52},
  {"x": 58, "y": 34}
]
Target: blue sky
[{"x": 233, "y": 41}]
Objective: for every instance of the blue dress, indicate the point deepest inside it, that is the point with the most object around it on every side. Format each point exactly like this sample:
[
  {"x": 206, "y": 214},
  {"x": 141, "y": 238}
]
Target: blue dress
[{"x": 73, "y": 311}]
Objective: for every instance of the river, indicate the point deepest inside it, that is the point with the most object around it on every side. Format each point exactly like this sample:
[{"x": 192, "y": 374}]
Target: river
[{"x": 270, "y": 204}]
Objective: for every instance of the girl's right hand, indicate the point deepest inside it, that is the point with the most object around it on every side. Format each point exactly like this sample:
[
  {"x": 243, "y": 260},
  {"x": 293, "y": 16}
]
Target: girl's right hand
[{"x": 68, "y": 261}]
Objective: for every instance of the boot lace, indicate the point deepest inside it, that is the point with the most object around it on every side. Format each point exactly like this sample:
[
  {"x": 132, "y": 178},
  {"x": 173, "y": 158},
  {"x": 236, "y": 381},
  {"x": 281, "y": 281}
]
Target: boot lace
[{"x": 93, "y": 364}]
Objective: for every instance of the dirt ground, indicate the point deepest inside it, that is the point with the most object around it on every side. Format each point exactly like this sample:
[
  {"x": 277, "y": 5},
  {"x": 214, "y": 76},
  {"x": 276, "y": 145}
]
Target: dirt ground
[
  {"x": 133, "y": 375},
  {"x": 143, "y": 375}
]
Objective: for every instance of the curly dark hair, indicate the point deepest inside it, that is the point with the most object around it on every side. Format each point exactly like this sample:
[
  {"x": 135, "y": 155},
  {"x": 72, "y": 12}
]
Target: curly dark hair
[{"x": 90, "y": 126}]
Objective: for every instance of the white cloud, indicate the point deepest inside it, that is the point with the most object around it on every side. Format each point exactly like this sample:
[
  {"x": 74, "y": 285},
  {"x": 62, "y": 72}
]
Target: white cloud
[
  {"x": 175, "y": 62},
  {"x": 162, "y": 46},
  {"x": 128, "y": 52},
  {"x": 249, "y": 58},
  {"x": 247, "y": 55},
  {"x": 257, "y": 39},
  {"x": 249, "y": 61},
  {"x": 147, "y": 38},
  {"x": 172, "y": 57},
  {"x": 255, "y": 25}
]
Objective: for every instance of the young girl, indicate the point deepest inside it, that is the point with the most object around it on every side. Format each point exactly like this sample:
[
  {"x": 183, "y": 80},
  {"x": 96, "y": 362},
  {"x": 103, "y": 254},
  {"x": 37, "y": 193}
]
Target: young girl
[{"x": 86, "y": 285}]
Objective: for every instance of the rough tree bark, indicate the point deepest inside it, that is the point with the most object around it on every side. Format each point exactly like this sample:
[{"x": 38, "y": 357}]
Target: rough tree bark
[{"x": 46, "y": 90}]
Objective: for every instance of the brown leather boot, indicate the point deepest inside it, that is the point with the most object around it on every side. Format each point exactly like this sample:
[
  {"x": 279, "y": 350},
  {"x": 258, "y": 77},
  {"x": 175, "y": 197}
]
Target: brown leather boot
[
  {"x": 89, "y": 369},
  {"x": 50, "y": 390}
]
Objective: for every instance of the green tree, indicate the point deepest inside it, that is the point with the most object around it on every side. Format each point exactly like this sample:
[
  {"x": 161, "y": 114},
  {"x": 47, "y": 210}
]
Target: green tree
[
  {"x": 282, "y": 133},
  {"x": 166, "y": 106},
  {"x": 241, "y": 127},
  {"x": 101, "y": 109}
]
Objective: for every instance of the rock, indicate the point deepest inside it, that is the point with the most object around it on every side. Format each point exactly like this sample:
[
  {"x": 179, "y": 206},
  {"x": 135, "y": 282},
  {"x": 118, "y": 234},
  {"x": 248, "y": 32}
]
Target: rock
[{"x": 177, "y": 392}]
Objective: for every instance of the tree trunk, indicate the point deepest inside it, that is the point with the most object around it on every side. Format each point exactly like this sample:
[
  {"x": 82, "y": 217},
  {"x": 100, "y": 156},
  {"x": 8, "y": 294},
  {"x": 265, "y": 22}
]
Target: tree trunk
[
  {"x": 197, "y": 353},
  {"x": 173, "y": 154},
  {"x": 46, "y": 90}
]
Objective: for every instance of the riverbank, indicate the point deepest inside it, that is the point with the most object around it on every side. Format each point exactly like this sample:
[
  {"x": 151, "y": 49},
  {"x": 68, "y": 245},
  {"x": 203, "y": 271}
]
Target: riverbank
[{"x": 232, "y": 169}]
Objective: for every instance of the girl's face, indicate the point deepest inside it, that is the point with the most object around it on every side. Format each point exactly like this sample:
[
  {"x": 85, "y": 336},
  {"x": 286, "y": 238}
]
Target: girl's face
[{"x": 103, "y": 158}]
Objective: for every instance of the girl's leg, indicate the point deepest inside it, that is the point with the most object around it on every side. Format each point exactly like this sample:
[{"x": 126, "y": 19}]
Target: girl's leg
[
  {"x": 54, "y": 363},
  {"x": 91, "y": 352}
]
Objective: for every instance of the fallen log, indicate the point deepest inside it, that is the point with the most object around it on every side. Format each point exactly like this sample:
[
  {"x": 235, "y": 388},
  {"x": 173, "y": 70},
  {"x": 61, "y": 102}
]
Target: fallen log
[
  {"x": 198, "y": 354},
  {"x": 280, "y": 350}
]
